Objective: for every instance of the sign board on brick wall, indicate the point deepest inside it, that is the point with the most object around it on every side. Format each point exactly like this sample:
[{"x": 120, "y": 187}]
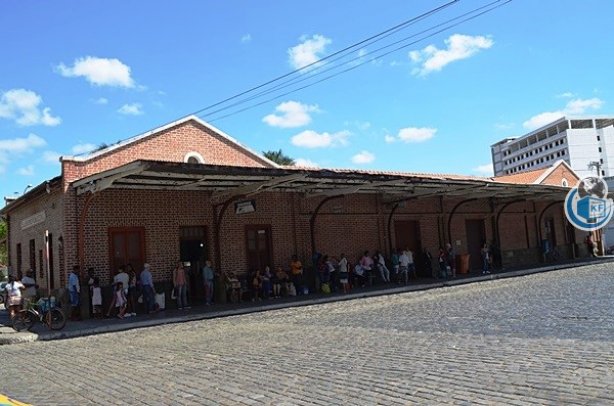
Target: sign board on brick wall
[
  {"x": 33, "y": 220},
  {"x": 248, "y": 206}
]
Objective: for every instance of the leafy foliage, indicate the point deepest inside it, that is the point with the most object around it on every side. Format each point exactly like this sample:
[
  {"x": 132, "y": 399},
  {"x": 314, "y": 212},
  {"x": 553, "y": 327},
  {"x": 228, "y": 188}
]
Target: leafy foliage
[{"x": 278, "y": 157}]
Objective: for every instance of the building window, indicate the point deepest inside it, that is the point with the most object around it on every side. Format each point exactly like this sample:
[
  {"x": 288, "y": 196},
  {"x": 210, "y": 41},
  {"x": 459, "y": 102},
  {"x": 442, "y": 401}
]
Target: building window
[
  {"x": 32, "y": 255},
  {"x": 601, "y": 161},
  {"x": 41, "y": 271},
  {"x": 598, "y": 138},
  {"x": 602, "y": 173},
  {"x": 19, "y": 262},
  {"x": 193, "y": 157},
  {"x": 564, "y": 182},
  {"x": 50, "y": 261},
  {"x": 599, "y": 149}
]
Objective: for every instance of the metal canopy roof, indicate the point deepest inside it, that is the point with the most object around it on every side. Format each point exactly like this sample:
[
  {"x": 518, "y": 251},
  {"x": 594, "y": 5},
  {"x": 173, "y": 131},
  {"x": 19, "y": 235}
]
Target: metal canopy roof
[{"x": 226, "y": 182}]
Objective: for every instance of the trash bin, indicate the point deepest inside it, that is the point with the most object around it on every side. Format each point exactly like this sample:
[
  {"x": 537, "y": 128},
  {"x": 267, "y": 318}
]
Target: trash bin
[{"x": 462, "y": 263}]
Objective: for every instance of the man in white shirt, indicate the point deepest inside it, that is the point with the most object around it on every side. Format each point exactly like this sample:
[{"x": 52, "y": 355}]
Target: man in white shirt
[
  {"x": 404, "y": 263},
  {"x": 122, "y": 277}
]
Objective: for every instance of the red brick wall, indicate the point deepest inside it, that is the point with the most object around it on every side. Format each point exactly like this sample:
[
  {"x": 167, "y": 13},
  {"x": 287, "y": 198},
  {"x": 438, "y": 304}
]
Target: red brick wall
[
  {"x": 170, "y": 145},
  {"x": 557, "y": 176}
]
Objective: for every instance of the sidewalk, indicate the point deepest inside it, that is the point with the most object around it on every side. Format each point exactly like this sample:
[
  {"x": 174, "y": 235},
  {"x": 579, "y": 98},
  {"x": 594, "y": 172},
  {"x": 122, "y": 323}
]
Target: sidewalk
[{"x": 200, "y": 312}]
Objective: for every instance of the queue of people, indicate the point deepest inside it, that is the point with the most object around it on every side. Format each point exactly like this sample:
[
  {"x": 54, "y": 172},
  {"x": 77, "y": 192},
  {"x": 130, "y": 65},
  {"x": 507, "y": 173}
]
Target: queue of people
[{"x": 330, "y": 273}]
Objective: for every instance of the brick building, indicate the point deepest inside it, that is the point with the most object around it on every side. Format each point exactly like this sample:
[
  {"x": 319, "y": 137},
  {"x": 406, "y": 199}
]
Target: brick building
[{"x": 187, "y": 191}]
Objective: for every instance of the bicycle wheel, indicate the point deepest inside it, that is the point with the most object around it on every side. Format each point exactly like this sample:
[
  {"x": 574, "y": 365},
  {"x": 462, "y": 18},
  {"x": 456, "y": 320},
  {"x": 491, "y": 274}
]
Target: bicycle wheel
[
  {"x": 55, "y": 319},
  {"x": 22, "y": 321}
]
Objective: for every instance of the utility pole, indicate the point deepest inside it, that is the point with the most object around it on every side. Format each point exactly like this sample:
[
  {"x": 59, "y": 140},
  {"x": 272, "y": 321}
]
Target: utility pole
[{"x": 596, "y": 165}]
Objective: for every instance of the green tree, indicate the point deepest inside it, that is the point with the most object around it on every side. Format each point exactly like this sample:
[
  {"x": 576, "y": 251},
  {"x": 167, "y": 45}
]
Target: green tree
[{"x": 278, "y": 157}]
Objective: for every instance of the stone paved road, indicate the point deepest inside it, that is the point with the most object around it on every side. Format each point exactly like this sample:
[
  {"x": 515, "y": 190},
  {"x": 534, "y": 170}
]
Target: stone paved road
[{"x": 541, "y": 339}]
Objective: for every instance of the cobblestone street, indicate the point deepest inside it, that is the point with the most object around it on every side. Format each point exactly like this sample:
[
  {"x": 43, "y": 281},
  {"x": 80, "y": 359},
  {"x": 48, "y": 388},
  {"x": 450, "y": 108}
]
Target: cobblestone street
[{"x": 541, "y": 339}]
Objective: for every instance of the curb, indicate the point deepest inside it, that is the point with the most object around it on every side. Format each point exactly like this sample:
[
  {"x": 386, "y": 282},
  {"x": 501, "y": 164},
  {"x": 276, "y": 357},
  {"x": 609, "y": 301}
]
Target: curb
[{"x": 17, "y": 338}]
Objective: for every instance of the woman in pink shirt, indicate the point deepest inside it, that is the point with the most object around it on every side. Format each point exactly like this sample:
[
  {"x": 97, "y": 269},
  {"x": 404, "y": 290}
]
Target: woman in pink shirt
[{"x": 180, "y": 286}]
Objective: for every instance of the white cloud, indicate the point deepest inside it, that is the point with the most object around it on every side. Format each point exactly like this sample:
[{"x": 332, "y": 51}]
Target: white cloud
[
  {"x": 484, "y": 170},
  {"x": 83, "y": 148},
  {"x": 575, "y": 106},
  {"x": 26, "y": 171},
  {"x": 432, "y": 59},
  {"x": 312, "y": 139},
  {"x": 542, "y": 119},
  {"x": 101, "y": 100},
  {"x": 22, "y": 106},
  {"x": 99, "y": 71},
  {"x": 306, "y": 163},
  {"x": 293, "y": 114},
  {"x": 504, "y": 126},
  {"x": 22, "y": 145},
  {"x": 364, "y": 157},
  {"x": 12, "y": 148},
  {"x": 51, "y": 157},
  {"x": 389, "y": 139},
  {"x": 414, "y": 134},
  {"x": 579, "y": 106},
  {"x": 566, "y": 95},
  {"x": 133, "y": 109},
  {"x": 310, "y": 50},
  {"x": 246, "y": 38}
]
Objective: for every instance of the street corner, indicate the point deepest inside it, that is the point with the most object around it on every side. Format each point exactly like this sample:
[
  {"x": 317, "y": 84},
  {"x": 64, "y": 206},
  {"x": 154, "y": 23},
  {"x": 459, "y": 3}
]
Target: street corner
[
  {"x": 6, "y": 401},
  {"x": 9, "y": 336}
]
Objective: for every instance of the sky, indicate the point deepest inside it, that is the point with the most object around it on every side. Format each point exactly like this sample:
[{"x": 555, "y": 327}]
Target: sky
[{"x": 75, "y": 75}]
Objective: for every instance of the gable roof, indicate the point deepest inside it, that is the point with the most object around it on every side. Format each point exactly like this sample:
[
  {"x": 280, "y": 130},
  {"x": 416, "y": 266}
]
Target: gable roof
[
  {"x": 536, "y": 176},
  {"x": 155, "y": 131}
]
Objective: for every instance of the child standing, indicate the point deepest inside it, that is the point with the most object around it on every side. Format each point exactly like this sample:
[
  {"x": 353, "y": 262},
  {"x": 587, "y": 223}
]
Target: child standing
[
  {"x": 120, "y": 300},
  {"x": 96, "y": 294},
  {"x": 343, "y": 273}
]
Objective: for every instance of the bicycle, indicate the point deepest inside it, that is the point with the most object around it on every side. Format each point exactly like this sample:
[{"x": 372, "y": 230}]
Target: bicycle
[{"x": 44, "y": 311}]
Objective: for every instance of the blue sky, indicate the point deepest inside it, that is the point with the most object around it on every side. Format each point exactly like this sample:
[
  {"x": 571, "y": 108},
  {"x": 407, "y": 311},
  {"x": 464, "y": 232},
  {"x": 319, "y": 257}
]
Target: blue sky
[{"x": 74, "y": 75}]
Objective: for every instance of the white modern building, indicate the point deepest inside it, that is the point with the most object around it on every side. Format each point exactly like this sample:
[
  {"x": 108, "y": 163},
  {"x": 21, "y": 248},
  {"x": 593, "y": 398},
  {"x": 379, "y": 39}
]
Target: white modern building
[{"x": 586, "y": 144}]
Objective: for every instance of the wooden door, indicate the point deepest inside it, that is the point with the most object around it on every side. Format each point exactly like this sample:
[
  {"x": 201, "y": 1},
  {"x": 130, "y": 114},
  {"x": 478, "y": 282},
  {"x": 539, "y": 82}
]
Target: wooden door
[
  {"x": 476, "y": 236},
  {"x": 127, "y": 246},
  {"x": 259, "y": 248},
  {"x": 407, "y": 235}
]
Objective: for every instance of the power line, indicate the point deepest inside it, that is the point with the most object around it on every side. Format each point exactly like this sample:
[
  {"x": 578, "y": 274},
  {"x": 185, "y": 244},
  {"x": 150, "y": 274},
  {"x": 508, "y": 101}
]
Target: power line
[
  {"x": 371, "y": 39},
  {"x": 475, "y": 13}
]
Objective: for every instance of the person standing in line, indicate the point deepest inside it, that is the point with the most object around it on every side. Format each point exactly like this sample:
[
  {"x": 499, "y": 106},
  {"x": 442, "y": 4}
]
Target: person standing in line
[
  {"x": 132, "y": 290},
  {"x": 411, "y": 266},
  {"x": 344, "y": 274},
  {"x": 180, "y": 286},
  {"x": 394, "y": 259},
  {"x": 450, "y": 259},
  {"x": 14, "y": 290},
  {"x": 96, "y": 294},
  {"x": 591, "y": 246},
  {"x": 381, "y": 266},
  {"x": 366, "y": 263},
  {"x": 74, "y": 290},
  {"x": 208, "y": 280},
  {"x": 403, "y": 267},
  {"x": 120, "y": 300},
  {"x": 296, "y": 268},
  {"x": 148, "y": 289},
  {"x": 485, "y": 259},
  {"x": 443, "y": 263}
]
